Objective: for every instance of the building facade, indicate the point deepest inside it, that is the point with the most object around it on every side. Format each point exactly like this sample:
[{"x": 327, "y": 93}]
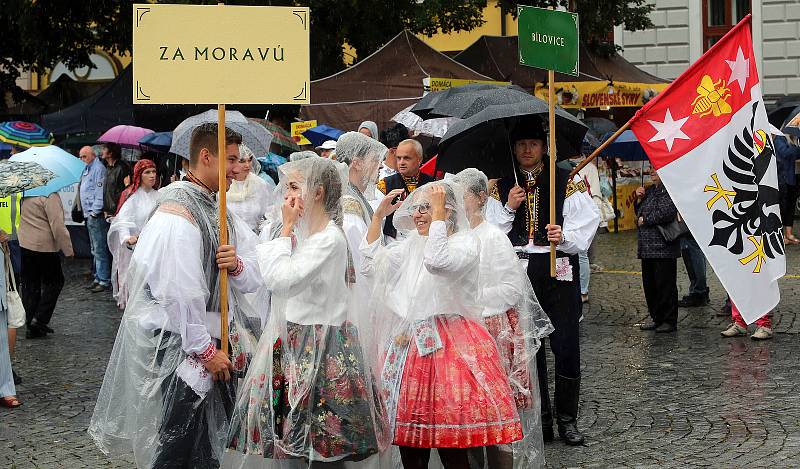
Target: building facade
[{"x": 685, "y": 29}]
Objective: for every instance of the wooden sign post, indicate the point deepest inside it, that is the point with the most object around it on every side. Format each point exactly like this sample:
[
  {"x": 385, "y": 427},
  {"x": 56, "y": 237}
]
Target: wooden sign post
[
  {"x": 549, "y": 39},
  {"x": 213, "y": 54}
]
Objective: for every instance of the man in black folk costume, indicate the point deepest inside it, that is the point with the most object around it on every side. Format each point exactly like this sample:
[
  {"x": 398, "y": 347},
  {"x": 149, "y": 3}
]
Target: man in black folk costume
[{"x": 525, "y": 217}]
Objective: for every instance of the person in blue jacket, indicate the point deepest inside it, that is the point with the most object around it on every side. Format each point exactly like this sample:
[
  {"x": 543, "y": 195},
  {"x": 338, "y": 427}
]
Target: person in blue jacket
[
  {"x": 786, "y": 154},
  {"x": 91, "y": 194}
]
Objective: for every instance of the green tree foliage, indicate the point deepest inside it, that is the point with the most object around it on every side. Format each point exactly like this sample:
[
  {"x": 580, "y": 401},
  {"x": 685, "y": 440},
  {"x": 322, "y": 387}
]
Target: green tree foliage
[
  {"x": 597, "y": 17},
  {"x": 39, "y": 33}
]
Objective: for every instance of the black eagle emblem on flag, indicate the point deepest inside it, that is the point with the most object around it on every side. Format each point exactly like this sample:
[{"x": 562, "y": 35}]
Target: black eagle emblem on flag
[{"x": 752, "y": 215}]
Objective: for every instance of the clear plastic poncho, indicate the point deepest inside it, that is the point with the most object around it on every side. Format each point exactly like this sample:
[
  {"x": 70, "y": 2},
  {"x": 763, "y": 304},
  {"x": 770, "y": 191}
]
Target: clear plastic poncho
[
  {"x": 311, "y": 394},
  {"x": 157, "y": 400},
  {"x": 252, "y": 198},
  {"x": 442, "y": 377},
  {"x": 515, "y": 320},
  {"x": 363, "y": 156},
  {"x": 128, "y": 222}
]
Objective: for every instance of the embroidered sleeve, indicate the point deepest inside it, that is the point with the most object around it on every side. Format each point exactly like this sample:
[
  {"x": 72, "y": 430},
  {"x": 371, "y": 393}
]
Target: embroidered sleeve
[
  {"x": 494, "y": 192},
  {"x": 351, "y": 205},
  {"x": 239, "y": 267},
  {"x": 206, "y": 355},
  {"x": 573, "y": 187}
]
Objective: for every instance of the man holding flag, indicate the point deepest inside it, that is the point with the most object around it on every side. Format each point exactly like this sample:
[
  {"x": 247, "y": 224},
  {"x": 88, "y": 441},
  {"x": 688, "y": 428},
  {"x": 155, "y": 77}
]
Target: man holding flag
[{"x": 708, "y": 137}]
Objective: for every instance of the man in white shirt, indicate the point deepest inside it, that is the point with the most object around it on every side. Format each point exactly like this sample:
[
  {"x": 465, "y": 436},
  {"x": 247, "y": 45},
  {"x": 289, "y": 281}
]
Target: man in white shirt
[
  {"x": 525, "y": 217},
  {"x": 167, "y": 379}
]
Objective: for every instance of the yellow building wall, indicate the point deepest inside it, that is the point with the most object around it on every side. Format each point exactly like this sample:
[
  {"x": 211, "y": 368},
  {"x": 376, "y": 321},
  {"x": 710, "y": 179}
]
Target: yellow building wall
[{"x": 458, "y": 41}]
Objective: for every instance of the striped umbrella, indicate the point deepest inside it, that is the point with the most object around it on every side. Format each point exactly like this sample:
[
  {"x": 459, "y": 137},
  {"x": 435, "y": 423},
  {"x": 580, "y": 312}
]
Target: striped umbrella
[
  {"x": 282, "y": 137},
  {"x": 24, "y": 134}
]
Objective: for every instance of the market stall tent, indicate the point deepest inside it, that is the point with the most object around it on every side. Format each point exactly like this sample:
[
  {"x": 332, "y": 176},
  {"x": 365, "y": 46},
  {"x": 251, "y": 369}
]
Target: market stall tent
[
  {"x": 497, "y": 57},
  {"x": 603, "y": 82},
  {"x": 113, "y": 105},
  {"x": 382, "y": 84}
]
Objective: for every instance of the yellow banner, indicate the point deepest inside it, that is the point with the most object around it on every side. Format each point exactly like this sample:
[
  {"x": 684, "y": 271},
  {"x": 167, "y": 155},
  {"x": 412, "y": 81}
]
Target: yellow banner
[
  {"x": 220, "y": 54},
  {"x": 439, "y": 84},
  {"x": 598, "y": 94},
  {"x": 297, "y": 131}
]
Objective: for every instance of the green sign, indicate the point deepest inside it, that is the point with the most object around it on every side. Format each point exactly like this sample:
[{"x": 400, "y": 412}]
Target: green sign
[{"x": 548, "y": 39}]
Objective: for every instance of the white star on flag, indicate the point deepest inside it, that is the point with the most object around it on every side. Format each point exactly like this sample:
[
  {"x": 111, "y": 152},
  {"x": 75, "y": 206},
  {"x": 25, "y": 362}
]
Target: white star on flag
[
  {"x": 669, "y": 130},
  {"x": 740, "y": 69}
]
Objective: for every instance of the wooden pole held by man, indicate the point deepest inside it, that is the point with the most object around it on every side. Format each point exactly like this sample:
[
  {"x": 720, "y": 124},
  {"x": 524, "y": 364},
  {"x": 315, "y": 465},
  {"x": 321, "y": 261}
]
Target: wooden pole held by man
[
  {"x": 223, "y": 226},
  {"x": 552, "y": 162}
]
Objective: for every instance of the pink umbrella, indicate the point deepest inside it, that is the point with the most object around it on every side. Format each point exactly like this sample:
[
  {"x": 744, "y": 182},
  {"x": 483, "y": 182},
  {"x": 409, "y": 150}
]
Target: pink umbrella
[{"x": 127, "y": 136}]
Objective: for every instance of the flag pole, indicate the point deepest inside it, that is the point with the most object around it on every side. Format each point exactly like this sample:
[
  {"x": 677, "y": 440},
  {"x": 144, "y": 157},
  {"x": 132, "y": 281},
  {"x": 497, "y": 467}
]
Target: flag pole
[
  {"x": 552, "y": 161},
  {"x": 599, "y": 149},
  {"x": 223, "y": 226}
]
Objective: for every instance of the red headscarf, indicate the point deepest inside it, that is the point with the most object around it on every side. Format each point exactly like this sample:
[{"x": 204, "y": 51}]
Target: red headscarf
[{"x": 138, "y": 169}]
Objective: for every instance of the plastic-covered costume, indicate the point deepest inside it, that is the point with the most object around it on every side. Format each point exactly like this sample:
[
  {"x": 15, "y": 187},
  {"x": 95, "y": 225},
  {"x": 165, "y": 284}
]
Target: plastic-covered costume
[
  {"x": 157, "y": 399},
  {"x": 136, "y": 205},
  {"x": 363, "y": 156},
  {"x": 514, "y": 318},
  {"x": 250, "y": 199},
  {"x": 310, "y": 397},
  {"x": 442, "y": 377}
]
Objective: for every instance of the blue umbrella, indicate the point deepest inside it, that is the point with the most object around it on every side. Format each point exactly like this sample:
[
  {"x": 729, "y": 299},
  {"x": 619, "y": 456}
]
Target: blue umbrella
[
  {"x": 158, "y": 141},
  {"x": 66, "y": 167},
  {"x": 322, "y": 133},
  {"x": 271, "y": 161},
  {"x": 626, "y": 147}
]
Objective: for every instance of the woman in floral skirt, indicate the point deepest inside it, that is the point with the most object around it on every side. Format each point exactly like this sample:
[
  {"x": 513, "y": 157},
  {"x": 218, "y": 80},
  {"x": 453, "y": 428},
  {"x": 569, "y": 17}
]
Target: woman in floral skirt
[{"x": 309, "y": 399}]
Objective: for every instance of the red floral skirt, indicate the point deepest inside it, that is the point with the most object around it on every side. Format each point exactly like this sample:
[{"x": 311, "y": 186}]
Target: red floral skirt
[{"x": 457, "y": 396}]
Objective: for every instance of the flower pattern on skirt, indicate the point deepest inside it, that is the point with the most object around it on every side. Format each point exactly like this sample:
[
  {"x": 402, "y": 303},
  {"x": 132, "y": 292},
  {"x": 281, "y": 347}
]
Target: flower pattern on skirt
[{"x": 322, "y": 407}]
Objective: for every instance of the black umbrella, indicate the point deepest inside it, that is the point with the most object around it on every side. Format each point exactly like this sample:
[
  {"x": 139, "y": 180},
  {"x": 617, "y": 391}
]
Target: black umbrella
[
  {"x": 783, "y": 113},
  {"x": 467, "y": 104},
  {"x": 600, "y": 126},
  {"x": 425, "y": 105},
  {"x": 482, "y": 141}
]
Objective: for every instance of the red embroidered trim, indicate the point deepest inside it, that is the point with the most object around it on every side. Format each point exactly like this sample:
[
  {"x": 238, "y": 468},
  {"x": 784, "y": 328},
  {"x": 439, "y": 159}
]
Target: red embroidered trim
[
  {"x": 239, "y": 267},
  {"x": 208, "y": 353}
]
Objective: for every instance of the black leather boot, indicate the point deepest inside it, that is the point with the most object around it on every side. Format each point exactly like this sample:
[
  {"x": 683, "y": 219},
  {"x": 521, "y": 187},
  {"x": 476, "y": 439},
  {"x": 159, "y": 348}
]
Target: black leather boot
[{"x": 567, "y": 398}]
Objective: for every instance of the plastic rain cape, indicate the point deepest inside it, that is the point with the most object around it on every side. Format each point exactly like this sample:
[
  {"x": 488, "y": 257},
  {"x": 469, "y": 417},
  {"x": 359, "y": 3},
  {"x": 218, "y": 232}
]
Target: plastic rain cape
[
  {"x": 157, "y": 401},
  {"x": 311, "y": 394},
  {"x": 128, "y": 222},
  {"x": 516, "y": 320},
  {"x": 442, "y": 377}
]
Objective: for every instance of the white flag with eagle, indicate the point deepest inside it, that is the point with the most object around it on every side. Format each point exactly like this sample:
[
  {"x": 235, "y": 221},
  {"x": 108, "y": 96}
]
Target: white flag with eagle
[{"x": 708, "y": 137}]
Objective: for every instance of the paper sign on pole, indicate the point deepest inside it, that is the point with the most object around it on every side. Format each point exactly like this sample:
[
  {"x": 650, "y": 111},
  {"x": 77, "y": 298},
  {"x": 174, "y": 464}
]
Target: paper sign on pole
[
  {"x": 548, "y": 39},
  {"x": 211, "y": 54},
  {"x": 297, "y": 131}
]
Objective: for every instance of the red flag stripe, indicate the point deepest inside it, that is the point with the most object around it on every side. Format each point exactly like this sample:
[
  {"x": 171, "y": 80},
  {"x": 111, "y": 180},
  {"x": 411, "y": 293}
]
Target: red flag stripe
[{"x": 701, "y": 100}]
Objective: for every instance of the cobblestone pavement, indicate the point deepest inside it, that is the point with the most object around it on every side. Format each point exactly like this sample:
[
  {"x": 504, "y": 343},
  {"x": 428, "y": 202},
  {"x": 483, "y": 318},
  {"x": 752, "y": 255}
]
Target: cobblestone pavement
[{"x": 690, "y": 399}]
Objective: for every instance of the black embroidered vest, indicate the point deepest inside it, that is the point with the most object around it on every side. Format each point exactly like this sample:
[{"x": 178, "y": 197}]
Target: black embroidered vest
[{"x": 533, "y": 214}]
